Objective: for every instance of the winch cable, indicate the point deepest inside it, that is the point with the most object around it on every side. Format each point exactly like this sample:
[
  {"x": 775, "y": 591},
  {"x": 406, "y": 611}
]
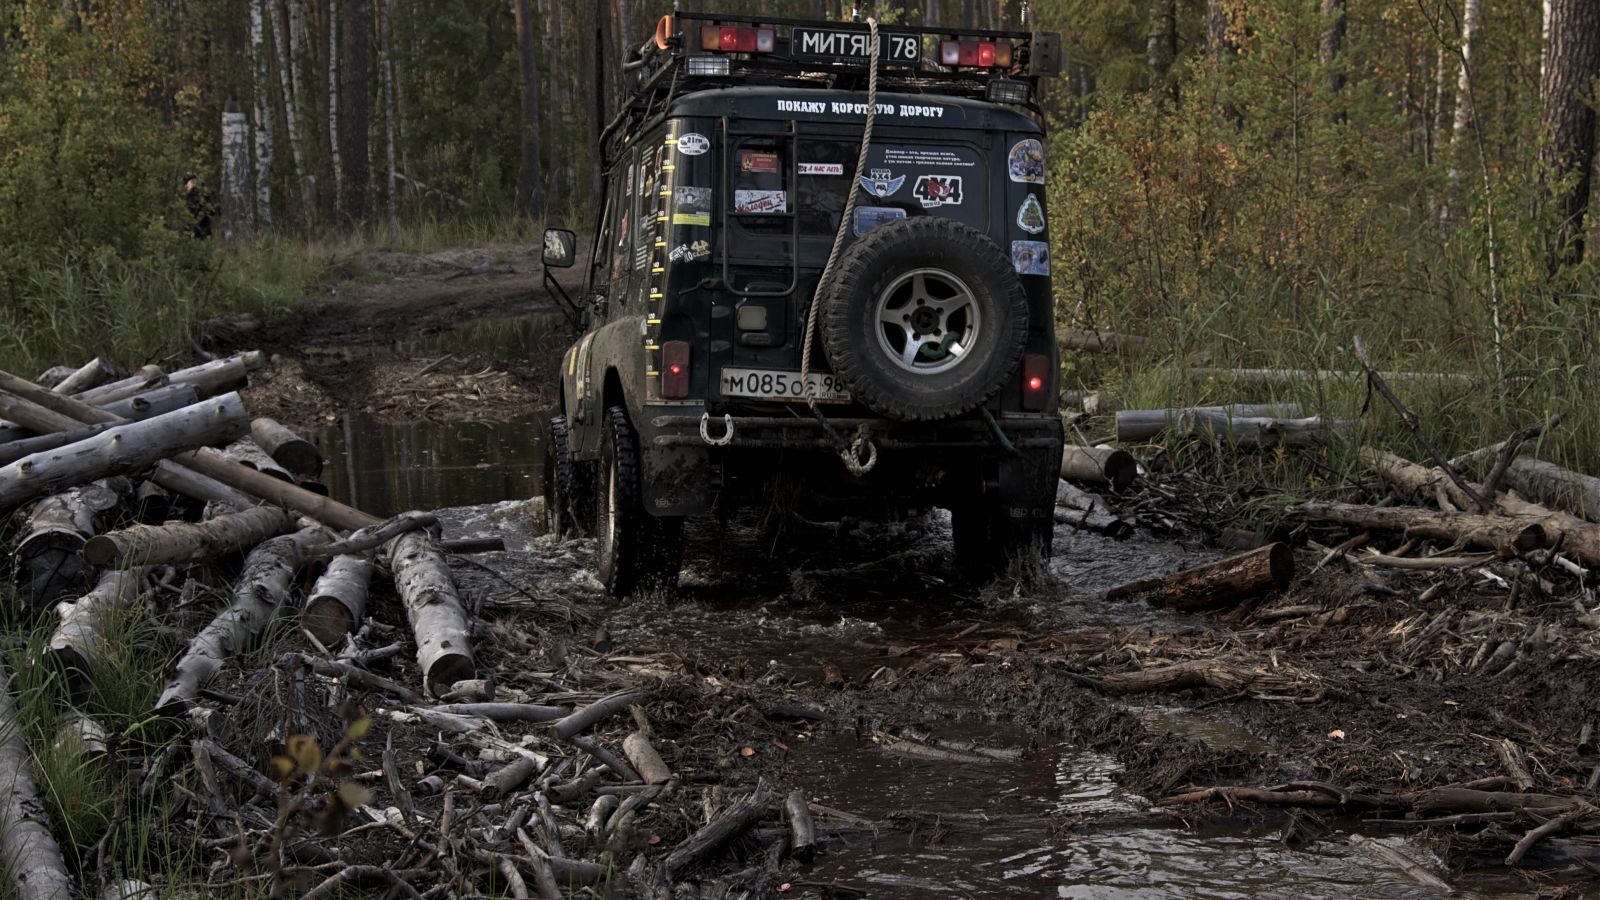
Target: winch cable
[{"x": 860, "y": 455}]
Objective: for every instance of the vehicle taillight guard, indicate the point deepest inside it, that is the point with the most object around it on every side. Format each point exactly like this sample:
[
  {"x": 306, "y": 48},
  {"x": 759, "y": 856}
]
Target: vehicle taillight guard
[
  {"x": 675, "y": 370},
  {"x": 1035, "y": 381},
  {"x": 978, "y": 54},
  {"x": 736, "y": 39}
]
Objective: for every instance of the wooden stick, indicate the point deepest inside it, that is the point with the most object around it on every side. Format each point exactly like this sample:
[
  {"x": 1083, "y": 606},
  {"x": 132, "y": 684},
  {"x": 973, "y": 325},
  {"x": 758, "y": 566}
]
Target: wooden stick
[
  {"x": 1136, "y": 425},
  {"x": 802, "y": 830},
  {"x": 504, "y": 712},
  {"x": 604, "y": 708},
  {"x": 376, "y": 536},
  {"x": 1509, "y": 448},
  {"x": 1559, "y": 823},
  {"x": 700, "y": 846},
  {"x": 28, "y": 849},
  {"x": 1101, "y": 341},
  {"x": 1221, "y": 583}
]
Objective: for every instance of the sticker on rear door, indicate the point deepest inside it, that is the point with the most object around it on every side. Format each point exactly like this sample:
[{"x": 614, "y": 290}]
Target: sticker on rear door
[
  {"x": 1030, "y": 217},
  {"x": 1025, "y": 162},
  {"x": 938, "y": 190},
  {"x": 821, "y": 168},
  {"x": 693, "y": 144},
  {"x": 870, "y": 217},
  {"x": 1030, "y": 257}
]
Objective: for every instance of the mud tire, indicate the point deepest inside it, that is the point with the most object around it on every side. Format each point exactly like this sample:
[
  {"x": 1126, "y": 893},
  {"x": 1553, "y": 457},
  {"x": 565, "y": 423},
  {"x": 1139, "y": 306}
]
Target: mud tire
[
  {"x": 988, "y": 542},
  {"x": 568, "y": 486},
  {"x": 634, "y": 550},
  {"x": 852, "y": 328}
]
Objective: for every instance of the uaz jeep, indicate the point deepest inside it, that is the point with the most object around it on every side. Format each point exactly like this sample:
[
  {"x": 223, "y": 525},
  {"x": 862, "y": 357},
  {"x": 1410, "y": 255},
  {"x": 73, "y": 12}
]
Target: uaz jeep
[{"x": 774, "y": 301}]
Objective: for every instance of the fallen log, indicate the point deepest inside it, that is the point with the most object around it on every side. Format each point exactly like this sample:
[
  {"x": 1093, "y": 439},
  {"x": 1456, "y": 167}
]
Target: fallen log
[
  {"x": 52, "y": 376},
  {"x": 802, "y": 830},
  {"x": 94, "y": 373},
  {"x": 1219, "y": 674},
  {"x": 1577, "y": 536},
  {"x": 1101, "y": 341},
  {"x": 290, "y": 450},
  {"x": 1278, "y": 375},
  {"x": 700, "y": 846},
  {"x": 146, "y": 379},
  {"x": 245, "y": 452},
  {"x": 1468, "y": 800},
  {"x": 126, "y": 448},
  {"x": 444, "y": 648},
  {"x": 224, "y": 480},
  {"x": 1507, "y": 535},
  {"x": 11, "y": 451},
  {"x": 583, "y": 719},
  {"x": 29, "y": 854},
  {"x": 46, "y": 564},
  {"x": 652, "y": 768},
  {"x": 1138, "y": 425},
  {"x": 1084, "y": 510},
  {"x": 338, "y": 602},
  {"x": 1406, "y": 864},
  {"x": 508, "y": 778},
  {"x": 504, "y": 712},
  {"x": 1414, "y": 480},
  {"x": 260, "y": 589},
  {"x": 80, "y": 639},
  {"x": 182, "y": 543},
  {"x": 1099, "y": 465},
  {"x": 152, "y": 503},
  {"x": 1218, "y": 584},
  {"x": 154, "y": 402},
  {"x": 221, "y": 374},
  {"x": 1555, "y": 487}
]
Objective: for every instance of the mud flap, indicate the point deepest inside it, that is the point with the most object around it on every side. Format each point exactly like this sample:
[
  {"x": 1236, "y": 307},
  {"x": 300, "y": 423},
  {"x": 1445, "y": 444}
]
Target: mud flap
[
  {"x": 1027, "y": 482},
  {"x": 677, "y": 480}
]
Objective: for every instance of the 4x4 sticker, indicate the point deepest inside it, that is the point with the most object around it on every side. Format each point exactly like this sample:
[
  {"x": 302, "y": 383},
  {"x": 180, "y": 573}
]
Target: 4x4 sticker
[
  {"x": 693, "y": 144},
  {"x": 881, "y": 183},
  {"x": 821, "y": 168},
  {"x": 693, "y": 251},
  {"x": 1030, "y": 257},
  {"x": 1025, "y": 162},
  {"x": 759, "y": 202},
  {"x": 870, "y": 217},
  {"x": 938, "y": 190},
  {"x": 1030, "y": 217}
]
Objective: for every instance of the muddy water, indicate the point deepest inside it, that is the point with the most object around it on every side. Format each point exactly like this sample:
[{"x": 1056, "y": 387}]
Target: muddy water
[{"x": 388, "y": 468}]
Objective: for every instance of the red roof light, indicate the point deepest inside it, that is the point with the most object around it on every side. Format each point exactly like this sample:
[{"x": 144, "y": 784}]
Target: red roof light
[
  {"x": 978, "y": 54},
  {"x": 736, "y": 39}
]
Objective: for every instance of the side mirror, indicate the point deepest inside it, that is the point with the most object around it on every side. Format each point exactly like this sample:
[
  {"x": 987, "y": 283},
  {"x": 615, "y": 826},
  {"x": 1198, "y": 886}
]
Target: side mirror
[{"x": 560, "y": 248}]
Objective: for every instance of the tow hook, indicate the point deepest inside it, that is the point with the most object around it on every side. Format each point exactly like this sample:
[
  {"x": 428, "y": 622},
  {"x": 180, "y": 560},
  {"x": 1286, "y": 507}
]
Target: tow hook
[{"x": 705, "y": 430}]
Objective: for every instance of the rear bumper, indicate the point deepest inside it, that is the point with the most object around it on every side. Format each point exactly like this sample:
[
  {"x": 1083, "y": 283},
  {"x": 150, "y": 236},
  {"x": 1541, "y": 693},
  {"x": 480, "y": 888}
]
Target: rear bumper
[{"x": 687, "y": 454}]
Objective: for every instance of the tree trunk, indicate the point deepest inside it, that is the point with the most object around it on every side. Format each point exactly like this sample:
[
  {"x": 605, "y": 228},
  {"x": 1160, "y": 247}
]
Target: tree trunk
[
  {"x": 154, "y": 403},
  {"x": 444, "y": 647},
  {"x": 338, "y": 602},
  {"x": 182, "y": 543},
  {"x": 530, "y": 194},
  {"x": 238, "y": 206},
  {"x": 29, "y": 854},
  {"x": 1222, "y": 583},
  {"x": 288, "y": 449},
  {"x": 262, "y": 90},
  {"x": 1098, "y": 465},
  {"x": 1568, "y": 96},
  {"x": 1136, "y": 425},
  {"x": 1334, "y": 23},
  {"x": 291, "y": 108},
  {"x": 260, "y": 589},
  {"x": 123, "y": 449},
  {"x": 930, "y": 13},
  {"x": 1507, "y": 535},
  {"x": 47, "y": 562},
  {"x": 355, "y": 93},
  {"x": 600, "y": 105},
  {"x": 1553, "y": 486},
  {"x": 80, "y": 639},
  {"x": 1161, "y": 42},
  {"x": 386, "y": 53},
  {"x": 560, "y": 145},
  {"x": 334, "y": 143},
  {"x": 969, "y": 13},
  {"x": 1464, "y": 112}
]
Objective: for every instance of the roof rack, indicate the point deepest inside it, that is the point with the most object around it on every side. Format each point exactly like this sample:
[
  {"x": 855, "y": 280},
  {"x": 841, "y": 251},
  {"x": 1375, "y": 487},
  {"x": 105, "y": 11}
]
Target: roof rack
[{"x": 696, "y": 50}]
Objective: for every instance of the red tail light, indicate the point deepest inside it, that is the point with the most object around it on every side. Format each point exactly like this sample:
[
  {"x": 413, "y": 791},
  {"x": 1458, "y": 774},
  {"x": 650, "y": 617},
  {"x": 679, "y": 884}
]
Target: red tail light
[
  {"x": 1035, "y": 381},
  {"x": 675, "y": 370},
  {"x": 979, "y": 54},
  {"x": 736, "y": 39}
]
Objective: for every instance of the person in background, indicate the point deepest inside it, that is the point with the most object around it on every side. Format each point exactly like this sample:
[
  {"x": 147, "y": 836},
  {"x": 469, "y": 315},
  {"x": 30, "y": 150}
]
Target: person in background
[{"x": 200, "y": 205}]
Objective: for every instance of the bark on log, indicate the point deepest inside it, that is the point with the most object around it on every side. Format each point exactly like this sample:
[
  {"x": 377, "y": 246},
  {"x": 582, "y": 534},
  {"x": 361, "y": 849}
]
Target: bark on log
[
  {"x": 290, "y": 450},
  {"x": 1555, "y": 487},
  {"x": 600, "y": 710},
  {"x": 182, "y": 543},
  {"x": 1414, "y": 480},
  {"x": 222, "y": 374},
  {"x": 338, "y": 603},
  {"x": 125, "y": 448},
  {"x": 1098, "y": 465},
  {"x": 46, "y": 564},
  {"x": 652, "y": 768},
  {"x": 1279, "y": 375},
  {"x": 1507, "y": 535},
  {"x": 1218, "y": 674},
  {"x": 153, "y": 403},
  {"x": 245, "y": 452},
  {"x": 80, "y": 638},
  {"x": 146, "y": 379},
  {"x": 52, "y": 376},
  {"x": 152, "y": 504},
  {"x": 1215, "y": 585},
  {"x": 1101, "y": 341},
  {"x": 1137, "y": 425},
  {"x": 508, "y": 778},
  {"x": 1467, "y": 800},
  {"x": 261, "y": 587},
  {"x": 29, "y": 854},
  {"x": 223, "y": 481},
  {"x": 1257, "y": 432},
  {"x": 94, "y": 373},
  {"x": 1577, "y": 536},
  {"x": 1084, "y": 510},
  {"x": 444, "y": 648},
  {"x": 11, "y": 451},
  {"x": 700, "y": 846},
  {"x": 802, "y": 830},
  {"x": 82, "y": 735}
]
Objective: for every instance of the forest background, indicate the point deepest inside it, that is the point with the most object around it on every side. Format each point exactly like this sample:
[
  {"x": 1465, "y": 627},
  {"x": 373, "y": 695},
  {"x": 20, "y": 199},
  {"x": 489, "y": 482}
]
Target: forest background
[{"x": 1248, "y": 183}]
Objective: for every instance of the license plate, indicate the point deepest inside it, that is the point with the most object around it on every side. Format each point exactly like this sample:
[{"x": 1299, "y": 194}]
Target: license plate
[{"x": 773, "y": 384}]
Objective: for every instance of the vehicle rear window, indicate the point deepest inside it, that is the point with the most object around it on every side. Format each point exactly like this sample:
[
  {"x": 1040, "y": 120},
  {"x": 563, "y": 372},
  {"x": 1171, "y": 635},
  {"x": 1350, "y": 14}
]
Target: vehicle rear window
[{"x": 900, "y": 180}]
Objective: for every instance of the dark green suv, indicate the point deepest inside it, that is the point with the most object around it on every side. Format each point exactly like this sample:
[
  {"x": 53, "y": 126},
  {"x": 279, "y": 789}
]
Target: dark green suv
[{"x": 771, "y": 310}]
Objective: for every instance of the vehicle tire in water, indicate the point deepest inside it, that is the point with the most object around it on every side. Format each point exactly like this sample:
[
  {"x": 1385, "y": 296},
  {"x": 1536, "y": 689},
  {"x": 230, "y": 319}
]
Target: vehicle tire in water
[
  {"x": 925, "y": 318},
  {"x": 635, "y": 550},
  {"x": 568, "y": 486},
  {"x": 987, "y": 541}
]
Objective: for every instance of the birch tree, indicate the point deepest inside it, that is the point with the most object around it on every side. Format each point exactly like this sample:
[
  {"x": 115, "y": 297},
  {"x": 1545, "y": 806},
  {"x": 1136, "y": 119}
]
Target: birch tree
[
  {"x": 386, "y": 65},
  {"x": 333, "y": 108},
  {"x": 238, "y": 210},
  {"x": 291, "y": 112},
  {"x": 262, "y": 87}
]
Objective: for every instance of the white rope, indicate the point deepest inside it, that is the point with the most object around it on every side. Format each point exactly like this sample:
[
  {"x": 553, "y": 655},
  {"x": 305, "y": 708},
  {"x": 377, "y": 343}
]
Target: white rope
[{"x": 852, "y": 455}]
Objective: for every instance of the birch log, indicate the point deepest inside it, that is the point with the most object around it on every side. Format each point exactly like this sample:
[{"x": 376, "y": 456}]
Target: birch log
[
  {"x": 146, "y": 379},
  {"x": 1507, "y": 535},
  {"x": 12, "y": 451},
  {"x": 261, "y": 587},
  {"x": 126, "y": 448},
  {"x": 29, "y": 853},
  {"x": 220, "y": 374},
  {"x": 1098, "y": 465},
  {"x": 47, "y": 564},
  {"x": 1556, "y": 487},
  {"x": 93, "y": 374},
  {"x": 53, "y": 376},
  {"x": 288, "y": 449},
  {"x": 338, "y": 602},
  {"x": 182, "y": 543},
  {"x": 1135, "y": 425},
  {"x": 80, "y": 639},
  {"x": 639, "y": 751},
  {"x": 444, "y": 647},
  {"x": 247, "y": 453},
  {"x": 156, "y": 402}
]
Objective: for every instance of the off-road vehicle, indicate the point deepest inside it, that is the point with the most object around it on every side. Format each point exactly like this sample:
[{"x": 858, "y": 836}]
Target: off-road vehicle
[{"x": 771, "y": 306}]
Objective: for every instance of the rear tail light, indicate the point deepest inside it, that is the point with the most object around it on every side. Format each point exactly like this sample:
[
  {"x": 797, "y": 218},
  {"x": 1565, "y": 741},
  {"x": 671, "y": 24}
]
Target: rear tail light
[
  {"x": 1035, "y": 381},
  {"x": 978, "y": 54},
  {"x": 736, "y": 39},
  {"x": 675, "y": 370}
]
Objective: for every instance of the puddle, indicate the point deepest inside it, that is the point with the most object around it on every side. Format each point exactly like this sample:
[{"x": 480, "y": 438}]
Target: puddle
[
  {"x": 387, "y": 468},
  {"x": 503, "y": 337}
]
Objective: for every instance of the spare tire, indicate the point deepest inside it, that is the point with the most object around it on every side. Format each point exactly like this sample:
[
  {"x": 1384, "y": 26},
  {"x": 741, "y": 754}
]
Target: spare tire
[{"x": 925, "y": 318}]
